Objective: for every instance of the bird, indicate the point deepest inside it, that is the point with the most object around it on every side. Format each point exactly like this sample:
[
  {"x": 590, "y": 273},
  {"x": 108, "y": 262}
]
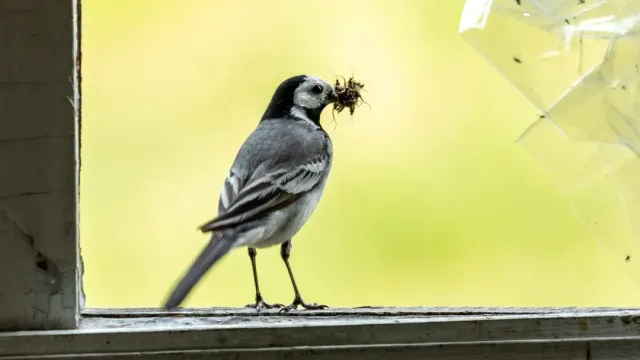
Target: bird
[{"x": 273, "y": 187}]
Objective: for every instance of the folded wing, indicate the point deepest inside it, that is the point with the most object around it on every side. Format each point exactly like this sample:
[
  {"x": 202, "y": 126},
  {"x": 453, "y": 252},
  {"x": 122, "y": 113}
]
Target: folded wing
[{"x": 259, "y": 197}]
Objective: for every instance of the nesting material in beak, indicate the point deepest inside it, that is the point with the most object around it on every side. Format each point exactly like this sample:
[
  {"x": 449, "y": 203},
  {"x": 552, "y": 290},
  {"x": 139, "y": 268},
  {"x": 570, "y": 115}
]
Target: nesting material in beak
[{"x": 348, "y": 95}]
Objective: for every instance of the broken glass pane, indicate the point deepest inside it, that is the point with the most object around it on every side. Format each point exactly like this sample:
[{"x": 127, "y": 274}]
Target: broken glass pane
[
  {"x": 578, "y": 61},
  {"x": 603, "y": 183}
]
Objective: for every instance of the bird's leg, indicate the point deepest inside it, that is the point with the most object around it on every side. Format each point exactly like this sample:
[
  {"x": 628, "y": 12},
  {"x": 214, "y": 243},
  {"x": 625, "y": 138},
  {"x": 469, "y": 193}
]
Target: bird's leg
[
  {"x": 285, "y": 251},
  {"x": 259, "y": 304}
]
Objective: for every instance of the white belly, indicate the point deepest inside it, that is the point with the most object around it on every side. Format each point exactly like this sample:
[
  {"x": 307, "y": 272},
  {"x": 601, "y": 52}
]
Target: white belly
[{"x": 283, "y": 224}]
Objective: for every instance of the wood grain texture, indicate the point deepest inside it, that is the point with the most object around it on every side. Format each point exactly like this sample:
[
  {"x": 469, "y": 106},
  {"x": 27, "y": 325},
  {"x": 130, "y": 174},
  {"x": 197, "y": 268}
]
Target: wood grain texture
[
  {"x": 38, "y": 151},
  {"x": 363, "y": 310},
  {"x": 365, "y": 333},
  {"x": 556, "y": 350}
]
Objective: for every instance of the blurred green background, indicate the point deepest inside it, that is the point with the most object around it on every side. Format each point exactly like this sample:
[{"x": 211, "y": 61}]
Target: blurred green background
[{"x": 430, "y": 201}]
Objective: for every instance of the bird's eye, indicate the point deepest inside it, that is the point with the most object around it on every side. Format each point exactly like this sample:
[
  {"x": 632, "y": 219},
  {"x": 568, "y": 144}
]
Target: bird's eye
[{"x": 316, "y": 89}]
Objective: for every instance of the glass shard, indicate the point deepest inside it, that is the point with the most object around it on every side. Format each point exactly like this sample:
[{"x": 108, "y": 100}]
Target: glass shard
[{"x": 578, "y": 61}]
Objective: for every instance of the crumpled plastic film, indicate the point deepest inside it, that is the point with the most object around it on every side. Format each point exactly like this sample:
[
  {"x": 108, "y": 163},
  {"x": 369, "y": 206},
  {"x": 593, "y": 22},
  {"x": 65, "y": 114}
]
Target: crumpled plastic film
[{"x": 578, "y": 61}]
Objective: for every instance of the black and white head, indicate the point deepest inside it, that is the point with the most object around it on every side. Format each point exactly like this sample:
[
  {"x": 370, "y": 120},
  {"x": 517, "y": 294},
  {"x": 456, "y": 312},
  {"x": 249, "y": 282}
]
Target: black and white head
[{"x": 302, "y": 97}]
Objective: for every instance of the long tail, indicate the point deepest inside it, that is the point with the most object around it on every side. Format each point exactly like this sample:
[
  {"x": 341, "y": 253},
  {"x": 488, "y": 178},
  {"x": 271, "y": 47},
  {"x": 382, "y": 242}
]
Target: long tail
[{"x": 213, "y": 252}]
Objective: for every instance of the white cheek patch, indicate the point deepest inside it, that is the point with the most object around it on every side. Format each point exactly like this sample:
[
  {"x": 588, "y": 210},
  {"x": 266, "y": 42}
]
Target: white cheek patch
[{"x": 307, "y": 101}]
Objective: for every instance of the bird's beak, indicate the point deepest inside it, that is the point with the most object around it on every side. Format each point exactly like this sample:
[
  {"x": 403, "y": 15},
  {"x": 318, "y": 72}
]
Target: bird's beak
[{"x": 332, "y": 96}]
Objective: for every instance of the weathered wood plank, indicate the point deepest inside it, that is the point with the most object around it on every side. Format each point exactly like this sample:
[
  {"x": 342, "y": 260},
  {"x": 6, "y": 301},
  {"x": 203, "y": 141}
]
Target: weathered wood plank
[
  {"x": 336, "y": 330},
  {"x": 615, "y": 349},
  {"x": 38, "y": 156},
  {"x": 363, "y": 310}
]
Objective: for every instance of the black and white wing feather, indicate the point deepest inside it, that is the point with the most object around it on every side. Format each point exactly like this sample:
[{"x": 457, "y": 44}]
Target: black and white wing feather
[{"x": 242, "y": 202}]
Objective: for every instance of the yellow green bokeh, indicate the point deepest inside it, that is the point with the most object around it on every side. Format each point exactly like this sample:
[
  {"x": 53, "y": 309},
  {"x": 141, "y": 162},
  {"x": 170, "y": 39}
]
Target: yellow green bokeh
[{"x": 430, "y": 201}]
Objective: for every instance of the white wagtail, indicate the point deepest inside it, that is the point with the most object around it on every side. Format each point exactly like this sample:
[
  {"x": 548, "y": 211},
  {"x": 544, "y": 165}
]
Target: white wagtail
[{"x": 274, "y": 184}]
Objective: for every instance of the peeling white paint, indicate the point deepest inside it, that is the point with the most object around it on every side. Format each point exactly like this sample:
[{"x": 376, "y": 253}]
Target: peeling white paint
[{"x": 38, "y": 201}]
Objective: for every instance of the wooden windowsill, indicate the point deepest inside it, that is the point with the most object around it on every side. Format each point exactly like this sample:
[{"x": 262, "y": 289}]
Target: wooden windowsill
[{"x": 362, "y": 333}]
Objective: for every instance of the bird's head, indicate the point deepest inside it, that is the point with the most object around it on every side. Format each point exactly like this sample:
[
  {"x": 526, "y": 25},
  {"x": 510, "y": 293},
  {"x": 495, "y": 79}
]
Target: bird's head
[{"x": 302, "y": 96}]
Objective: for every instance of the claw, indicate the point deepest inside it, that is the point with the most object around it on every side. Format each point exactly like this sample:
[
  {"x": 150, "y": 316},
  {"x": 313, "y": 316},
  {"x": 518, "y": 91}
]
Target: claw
[
  {"x": 299, "y": 302},
  {"x": 260, "y": 304}
]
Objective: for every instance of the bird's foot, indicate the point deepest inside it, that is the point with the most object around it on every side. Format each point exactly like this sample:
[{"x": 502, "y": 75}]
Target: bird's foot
[
  {"x": 260, "y": 304},
  {"x": 299, "y": 302}
]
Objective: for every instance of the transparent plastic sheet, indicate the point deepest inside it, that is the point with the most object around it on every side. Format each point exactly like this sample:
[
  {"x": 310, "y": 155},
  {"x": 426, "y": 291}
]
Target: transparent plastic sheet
[{"x": 578, "y": 61}]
